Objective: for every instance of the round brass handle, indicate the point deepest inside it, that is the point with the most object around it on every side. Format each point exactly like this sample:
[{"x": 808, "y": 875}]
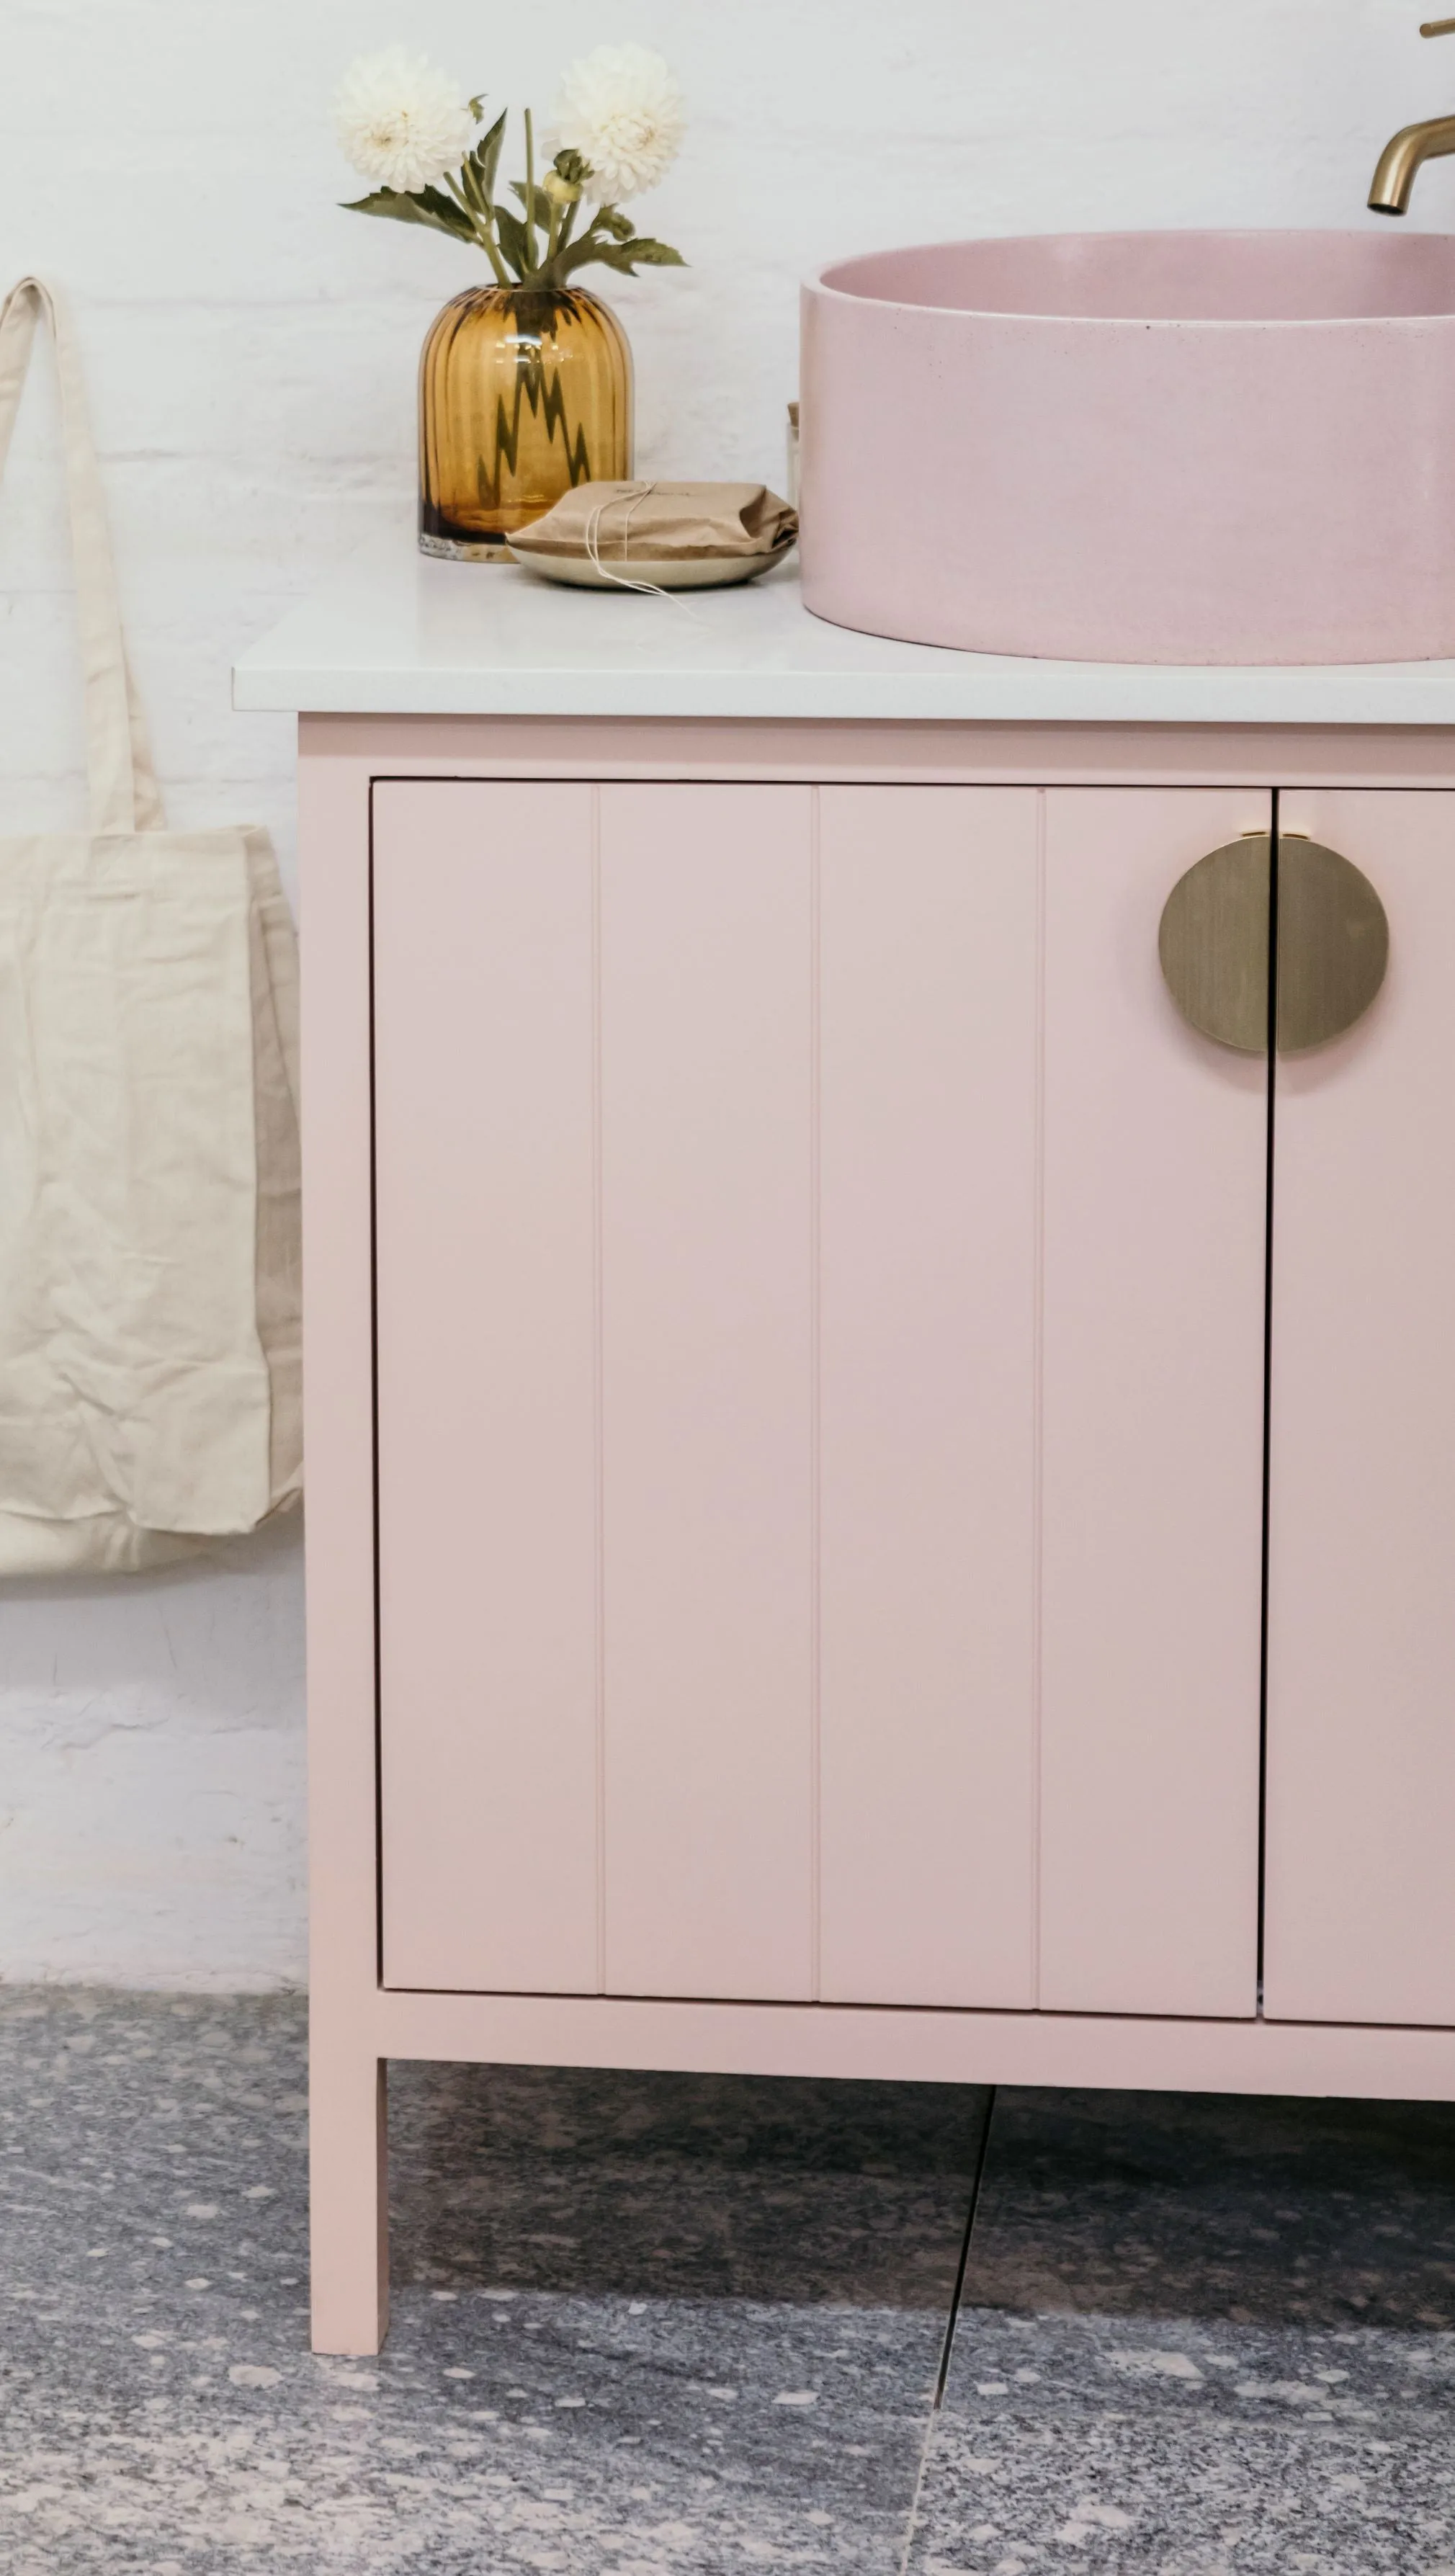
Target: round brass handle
[{"x": 1333, "y": 944}]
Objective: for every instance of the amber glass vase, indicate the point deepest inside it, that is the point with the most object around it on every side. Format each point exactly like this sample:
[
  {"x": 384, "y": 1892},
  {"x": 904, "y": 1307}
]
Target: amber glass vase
[{"x": 523, "y": 393}]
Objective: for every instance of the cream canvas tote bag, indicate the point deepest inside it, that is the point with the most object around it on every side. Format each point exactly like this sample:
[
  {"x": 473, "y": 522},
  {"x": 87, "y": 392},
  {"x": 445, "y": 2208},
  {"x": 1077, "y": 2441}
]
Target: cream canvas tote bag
[{"x": 149, "y": 1211}]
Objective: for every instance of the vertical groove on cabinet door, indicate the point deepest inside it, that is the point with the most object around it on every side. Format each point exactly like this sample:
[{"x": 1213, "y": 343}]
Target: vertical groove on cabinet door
[
  {"x": 1155, "y": 1178},
  {"x": 374, "y": 1433},
  {"x": 1270, "y": 1189},
  {"x": 484, "y": 1179},
  {"x": 1360, "y": 1904},
  {"x": 1038, "y": 1368},
  {"x": 928, "y": 1225},
  {"x": 815, "y": 1292},
  {"x": 707, "y": 1348},
  {"x": 597, "y": 1431}
]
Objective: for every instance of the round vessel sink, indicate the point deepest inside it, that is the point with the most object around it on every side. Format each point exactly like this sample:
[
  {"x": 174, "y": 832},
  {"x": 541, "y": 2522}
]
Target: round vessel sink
[{"x": 1137, "y": 447}]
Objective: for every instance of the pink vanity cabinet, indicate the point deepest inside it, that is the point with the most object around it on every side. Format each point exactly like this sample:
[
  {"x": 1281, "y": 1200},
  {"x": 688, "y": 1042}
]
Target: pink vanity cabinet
[{"x": 823, "y": 1556}]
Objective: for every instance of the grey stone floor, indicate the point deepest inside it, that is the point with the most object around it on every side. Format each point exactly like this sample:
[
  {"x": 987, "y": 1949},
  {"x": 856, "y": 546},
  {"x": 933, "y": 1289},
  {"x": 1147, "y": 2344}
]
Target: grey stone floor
[
  {"x": 656, "y": 2326},
  {"x": 1203, "y": 2337}
]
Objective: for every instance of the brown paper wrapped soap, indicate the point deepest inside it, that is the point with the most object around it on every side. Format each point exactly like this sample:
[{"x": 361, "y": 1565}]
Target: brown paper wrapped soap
[{"x": 662, "y": 523}]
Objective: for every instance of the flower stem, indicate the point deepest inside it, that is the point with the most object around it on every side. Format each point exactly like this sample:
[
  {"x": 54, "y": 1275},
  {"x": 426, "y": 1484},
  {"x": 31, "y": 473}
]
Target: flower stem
[
  {"x": 530, "y": 190},
  {"x": 484, "y": 232}
]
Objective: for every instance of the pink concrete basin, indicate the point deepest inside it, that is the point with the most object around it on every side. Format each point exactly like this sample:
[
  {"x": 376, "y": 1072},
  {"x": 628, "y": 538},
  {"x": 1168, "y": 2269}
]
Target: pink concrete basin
[{"x": 1137, "y": 447}]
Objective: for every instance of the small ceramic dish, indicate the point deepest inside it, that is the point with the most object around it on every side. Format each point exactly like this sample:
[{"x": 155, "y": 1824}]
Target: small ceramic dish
[{"x": 707, "y": 572}]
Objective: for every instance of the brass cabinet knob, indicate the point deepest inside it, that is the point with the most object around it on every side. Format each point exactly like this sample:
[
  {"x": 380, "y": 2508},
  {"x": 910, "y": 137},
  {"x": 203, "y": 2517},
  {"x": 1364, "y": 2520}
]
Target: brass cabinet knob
[
  {"x": 1214, "y": 943},
  {"x": 1333, "y": 944}
]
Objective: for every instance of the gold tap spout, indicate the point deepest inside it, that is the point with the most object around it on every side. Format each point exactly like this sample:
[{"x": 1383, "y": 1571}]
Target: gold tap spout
[
  {"x": 1402, "y": 157},
  {"x": 1406, "y": 152}
]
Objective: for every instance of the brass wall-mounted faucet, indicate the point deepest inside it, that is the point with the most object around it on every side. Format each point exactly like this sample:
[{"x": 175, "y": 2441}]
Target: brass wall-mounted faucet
[{"x": 1414, "y": 144}]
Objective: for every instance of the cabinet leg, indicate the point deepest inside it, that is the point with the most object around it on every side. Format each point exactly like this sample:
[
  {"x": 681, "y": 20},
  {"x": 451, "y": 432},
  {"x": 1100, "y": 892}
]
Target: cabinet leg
[{"x": 348, "y": 2158}]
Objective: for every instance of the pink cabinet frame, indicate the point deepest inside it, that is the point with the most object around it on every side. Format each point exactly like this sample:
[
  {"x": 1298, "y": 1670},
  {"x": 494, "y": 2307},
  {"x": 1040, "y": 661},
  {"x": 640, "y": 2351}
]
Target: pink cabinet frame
[{"x": 359, "y": 2022}]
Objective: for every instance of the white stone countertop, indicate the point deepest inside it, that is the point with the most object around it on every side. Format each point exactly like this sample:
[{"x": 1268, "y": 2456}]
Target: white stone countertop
[{"x": 396, "y": 633}]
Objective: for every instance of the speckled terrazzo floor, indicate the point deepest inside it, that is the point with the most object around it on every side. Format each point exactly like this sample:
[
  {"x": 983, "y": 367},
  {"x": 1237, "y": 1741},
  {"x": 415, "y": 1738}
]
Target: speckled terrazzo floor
[
  {"x": 1203, "y": 2337},
  {"x": 658, "y": 2325}
]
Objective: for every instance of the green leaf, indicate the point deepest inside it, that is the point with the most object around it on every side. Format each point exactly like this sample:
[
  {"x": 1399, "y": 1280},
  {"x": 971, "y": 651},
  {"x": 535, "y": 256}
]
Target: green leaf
[
  {"x": 538, "y": 207},
  {"x": 485, "y": 159},
  {"x": 586, "y": 247},
  {"x": 614, "y": 222},
  {"x": 424, "y": 206},
  {"x": 623, "y": 256},
  {"x": 652, "y": 254},
  {"x": 581, "y": 254},
  {"x": 471, "y": 188},
  {"x": 511, "y": 233}
]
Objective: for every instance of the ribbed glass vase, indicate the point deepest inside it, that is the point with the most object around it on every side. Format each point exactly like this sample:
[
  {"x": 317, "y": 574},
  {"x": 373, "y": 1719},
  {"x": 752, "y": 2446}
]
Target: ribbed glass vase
[{"x": 522, "y": 395}]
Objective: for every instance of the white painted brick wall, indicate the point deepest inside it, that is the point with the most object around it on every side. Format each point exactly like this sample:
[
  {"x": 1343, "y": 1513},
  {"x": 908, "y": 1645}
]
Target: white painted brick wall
[{"x": 251, "y": 354}]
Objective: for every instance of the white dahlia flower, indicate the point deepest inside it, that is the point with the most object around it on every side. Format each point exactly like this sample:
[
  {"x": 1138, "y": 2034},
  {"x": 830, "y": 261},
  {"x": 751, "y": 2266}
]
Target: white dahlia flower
[
  {"x": 402, "y": 123},
  {"x": 622, "y": 110}
]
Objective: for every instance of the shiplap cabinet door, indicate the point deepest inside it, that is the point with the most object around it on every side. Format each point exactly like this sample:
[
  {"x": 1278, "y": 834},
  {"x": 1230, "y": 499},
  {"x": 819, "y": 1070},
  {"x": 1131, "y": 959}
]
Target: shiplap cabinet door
[
  {"x": 707, "y": 1402},
  {"x": 1360, "y": 1904},
  {"x": 928, "y": 1081},
  {"x": 819, "y": 1369},
  {"x": 1154, "y": 1179},
  {"x": 485, "y": 1272}
]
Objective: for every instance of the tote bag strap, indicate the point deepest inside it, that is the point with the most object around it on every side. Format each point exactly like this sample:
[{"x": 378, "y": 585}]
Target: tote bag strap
[{"x": 124, "y": 793}]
